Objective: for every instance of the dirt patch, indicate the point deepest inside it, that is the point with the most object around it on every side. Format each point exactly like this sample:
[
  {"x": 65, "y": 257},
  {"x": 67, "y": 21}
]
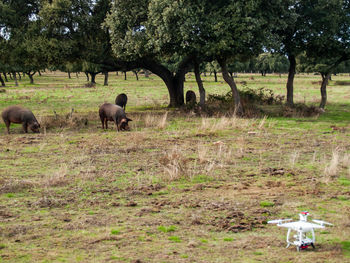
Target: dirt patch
[
  {"x": 236, "y": 221},
  {"x": 144, "y": 190},
  {"x": 13, "y": 231},
  {"x": 5, "y": 214},
  {"x": 49, "y": 202}
]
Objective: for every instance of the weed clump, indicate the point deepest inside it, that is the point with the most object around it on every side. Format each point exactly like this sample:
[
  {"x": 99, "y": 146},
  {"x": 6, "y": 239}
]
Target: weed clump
[
  {"x": 301, "y": 110},
  {"x": 251, "y": 99}
]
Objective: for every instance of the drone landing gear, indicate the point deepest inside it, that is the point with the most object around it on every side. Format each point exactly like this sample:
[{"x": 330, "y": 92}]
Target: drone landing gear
[{"x": 305, "y": 246}]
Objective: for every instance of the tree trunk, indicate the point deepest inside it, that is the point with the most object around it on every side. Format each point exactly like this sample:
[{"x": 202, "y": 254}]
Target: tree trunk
[
  {"x": 69, "y": 76},
  {"x": 325, "y": 78},
  {"x": 230, "y": 81},
  {"x": 30, "y": 75},
  {"x": 31, "y": 78},
  {"x": 174, "y": 83},
  {"x": 87, "y": 76},
  {"x": 124, "y": 75},
  {"x": 290, "y": 81},
  {"x": 19, "y": 75},
  {"x": 215, "y": 76},
  {"x": 199, "y": 83},
  {"x": 93, "y": 77},
  {"x": 137, "y": 77},
  {"x": 76, "y": 74},
  {"x": 2, "y": 81},
  {"x": 5, "y": 76},
  {"x": 39, "y": 72},
  {"x": 105, "y": 83},
  {"x": 116, "y": 73},
  {"x": 15, "y": 78}
]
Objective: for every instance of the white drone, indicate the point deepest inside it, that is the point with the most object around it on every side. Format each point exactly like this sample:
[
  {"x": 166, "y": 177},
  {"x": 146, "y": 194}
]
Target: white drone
[{"x": 302, "y": 227}]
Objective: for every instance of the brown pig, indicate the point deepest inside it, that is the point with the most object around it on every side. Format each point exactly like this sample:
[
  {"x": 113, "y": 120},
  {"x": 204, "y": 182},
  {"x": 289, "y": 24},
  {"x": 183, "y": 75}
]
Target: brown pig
[
  {"x": 115, "y": 113},
  {"x": 17, "y": 114}
]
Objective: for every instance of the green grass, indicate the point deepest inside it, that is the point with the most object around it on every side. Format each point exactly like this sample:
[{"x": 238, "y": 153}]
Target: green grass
[
  {"x": 115, "y": 232},
  {"x": 267, "y": 204},
  {"x": 175, "y": 239},
  {"x": 165, "y": 229},
  {"x": 346, "y": 248},
  {"x": 198, "y": 189}
]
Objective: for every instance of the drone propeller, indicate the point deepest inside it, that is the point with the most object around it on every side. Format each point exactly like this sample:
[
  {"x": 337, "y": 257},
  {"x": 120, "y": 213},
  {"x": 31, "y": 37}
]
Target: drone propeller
[
  {"x": 278, "y": 221},
  {"x": 322, "y": 223}
]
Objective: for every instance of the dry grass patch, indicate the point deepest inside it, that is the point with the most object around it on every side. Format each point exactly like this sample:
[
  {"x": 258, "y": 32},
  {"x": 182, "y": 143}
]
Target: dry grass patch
[
  {"x": 224, "y": 123},
  {"x": 58, "y": 178},
  {"x": 156, "y": 121},
  {"x": 70, "y": 120},
  {"x": 15, "y": 185},
  {"x": 175, "y": 165}
]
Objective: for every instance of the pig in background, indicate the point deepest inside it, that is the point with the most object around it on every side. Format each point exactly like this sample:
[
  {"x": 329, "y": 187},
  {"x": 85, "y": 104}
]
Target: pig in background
[{"x": 121, "y": 100}]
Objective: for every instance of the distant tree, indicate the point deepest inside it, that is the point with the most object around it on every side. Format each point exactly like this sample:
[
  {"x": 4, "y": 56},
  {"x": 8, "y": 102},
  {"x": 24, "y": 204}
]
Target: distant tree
[
  {"x": 21, "y": 37},
  {"x": 328, "y": 43},
  {"x": 213, "y": 68},
  {"x": 76, "y": 34},
  {"x": 271, "y": 63},
  {"x": 288, "y": 37},
  {"x": 239, "y": 30}
]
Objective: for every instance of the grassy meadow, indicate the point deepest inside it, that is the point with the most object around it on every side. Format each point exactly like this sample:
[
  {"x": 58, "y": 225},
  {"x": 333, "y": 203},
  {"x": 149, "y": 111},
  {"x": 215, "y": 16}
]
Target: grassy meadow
[{"x": 178, "y": 187}]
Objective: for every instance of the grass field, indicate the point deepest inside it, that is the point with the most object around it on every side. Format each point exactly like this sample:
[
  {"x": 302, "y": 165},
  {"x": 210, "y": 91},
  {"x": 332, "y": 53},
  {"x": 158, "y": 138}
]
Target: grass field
[{"x": 177, "y": 187}]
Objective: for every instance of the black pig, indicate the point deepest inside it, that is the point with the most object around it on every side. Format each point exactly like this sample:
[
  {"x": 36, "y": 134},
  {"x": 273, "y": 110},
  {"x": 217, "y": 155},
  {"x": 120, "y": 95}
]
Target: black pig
[
  {"x": 190, "y": 97},
  {"x": 121, "y": 100}
]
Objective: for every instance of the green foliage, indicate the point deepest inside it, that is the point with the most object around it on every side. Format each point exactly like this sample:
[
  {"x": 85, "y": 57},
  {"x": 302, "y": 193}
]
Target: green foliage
[{"x": 268, "y": 63}]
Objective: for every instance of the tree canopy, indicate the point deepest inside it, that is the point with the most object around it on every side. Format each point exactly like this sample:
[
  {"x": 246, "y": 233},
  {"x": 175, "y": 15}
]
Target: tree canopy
[{"x": 170, "y": 38}]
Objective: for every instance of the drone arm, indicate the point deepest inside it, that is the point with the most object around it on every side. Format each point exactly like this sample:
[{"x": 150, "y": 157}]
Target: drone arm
[{"x": 288, "y": 233}]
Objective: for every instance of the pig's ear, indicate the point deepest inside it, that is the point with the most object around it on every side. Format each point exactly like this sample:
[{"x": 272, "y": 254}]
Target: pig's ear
[{"x": 129, "y": 119}]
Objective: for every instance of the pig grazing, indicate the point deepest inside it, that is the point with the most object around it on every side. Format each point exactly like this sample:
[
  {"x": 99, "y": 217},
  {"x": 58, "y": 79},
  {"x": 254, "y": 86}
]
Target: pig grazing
[
  {"x": 115, "y": 113},
  {"x": 191, "y": 97},
  {"x": 121, "y": 100},
  {"x": 17, "y": 114}
]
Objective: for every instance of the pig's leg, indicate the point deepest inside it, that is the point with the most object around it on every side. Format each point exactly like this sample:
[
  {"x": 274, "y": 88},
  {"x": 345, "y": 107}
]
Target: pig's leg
[
  {"x": 116, "y": 121},
  {"x": 106, "y": 123},
  {"x": 25, "y": 127},
  {"x": 7, "y": 123},
  {"x": 103, "y": 122}
]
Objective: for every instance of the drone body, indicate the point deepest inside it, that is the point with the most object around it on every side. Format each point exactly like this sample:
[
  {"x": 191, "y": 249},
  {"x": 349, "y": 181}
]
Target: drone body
[{"x": 302, "y": 227}]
